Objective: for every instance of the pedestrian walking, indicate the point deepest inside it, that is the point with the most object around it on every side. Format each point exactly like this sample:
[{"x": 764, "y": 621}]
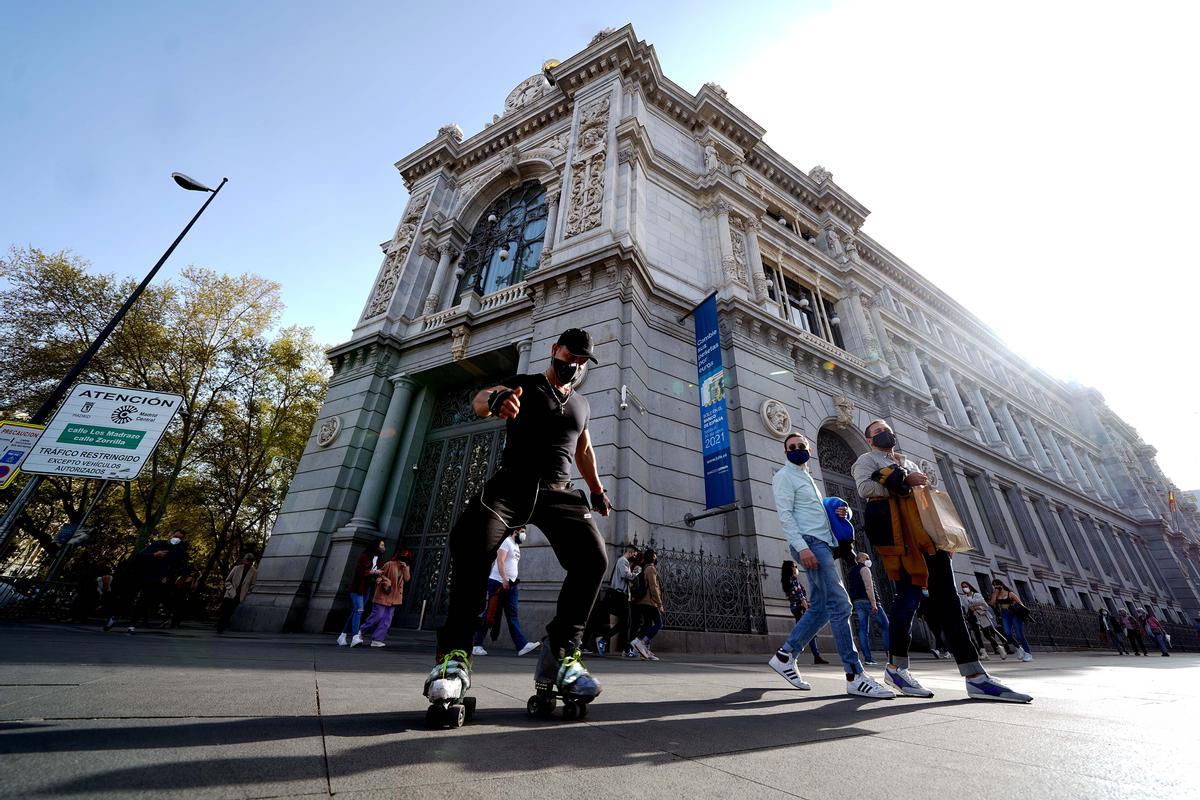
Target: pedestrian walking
[
  {"x": 981, "y": 613},
  {"x": 647, "y": 600},
  {"x": 615, "y": 605},
  {"x": 793, "y": 589},
  {"x": 811, "y": 540},
  {"x": 1133, "y": 632},
  {"x": 367, "y": 568},
  {"x": 1154, "y": 629},
  {"x": 238, "y": 584},
  {"x": 1113, "y": 630},
  {"x": 502, "y": 592},
  {"x": 917, "y": 568},
  {"x": 1013, "y": 615},
  {"x": 389, "y": 593},
  {"x": 546, "y": 425},
  {"x": 861, "y": 586}
]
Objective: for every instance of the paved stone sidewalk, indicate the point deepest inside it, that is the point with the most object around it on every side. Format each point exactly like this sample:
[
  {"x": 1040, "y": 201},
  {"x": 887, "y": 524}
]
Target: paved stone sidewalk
[{"x": 189, "y": 714}]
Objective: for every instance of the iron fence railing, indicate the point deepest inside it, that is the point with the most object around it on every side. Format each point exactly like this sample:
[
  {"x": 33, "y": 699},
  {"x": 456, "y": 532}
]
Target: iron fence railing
[
  {"x": 711, "y": 593},
  {"x": 22, "y": 598},
  {"x": 1077, "y": 628}
]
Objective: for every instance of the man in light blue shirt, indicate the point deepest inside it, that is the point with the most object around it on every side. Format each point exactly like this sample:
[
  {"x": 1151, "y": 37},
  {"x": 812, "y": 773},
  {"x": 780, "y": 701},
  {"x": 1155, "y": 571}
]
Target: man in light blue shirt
[{"x": 812, "y": 543}]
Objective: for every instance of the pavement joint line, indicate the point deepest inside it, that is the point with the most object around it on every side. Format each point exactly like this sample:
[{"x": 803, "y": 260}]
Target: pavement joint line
[{"x": 321, "y": 720}]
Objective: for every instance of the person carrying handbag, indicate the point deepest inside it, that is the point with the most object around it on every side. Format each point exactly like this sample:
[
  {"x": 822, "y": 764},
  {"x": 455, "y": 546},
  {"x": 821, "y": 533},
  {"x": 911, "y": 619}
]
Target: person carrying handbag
[
  {"x": 1013, "y": 616},
  {"x": 917, "y": 567}
]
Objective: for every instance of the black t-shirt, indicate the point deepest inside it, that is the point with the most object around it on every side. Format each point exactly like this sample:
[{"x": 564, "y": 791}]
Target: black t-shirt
[{"x": 541, "y": 439}]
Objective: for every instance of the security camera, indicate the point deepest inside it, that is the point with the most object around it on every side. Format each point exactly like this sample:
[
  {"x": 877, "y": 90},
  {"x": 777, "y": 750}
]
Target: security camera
[{"x": 624, "y": 397}]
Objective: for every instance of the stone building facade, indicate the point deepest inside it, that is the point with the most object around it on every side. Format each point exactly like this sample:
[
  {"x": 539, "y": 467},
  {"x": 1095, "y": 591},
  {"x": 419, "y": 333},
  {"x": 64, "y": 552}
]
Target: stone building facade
[{"x": 607, "y": 197}]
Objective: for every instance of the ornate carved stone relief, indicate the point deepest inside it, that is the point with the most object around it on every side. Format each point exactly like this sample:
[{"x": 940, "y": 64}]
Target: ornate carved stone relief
[
  {"x": 328, "y": 432},
  {"x": 528, "y": 91},
  {"x": 776, "y": 417},
  {"x": 397, "y": 252},
  {"x": 461, "y": 338},
  {"x": 586, "y": 200},
  {"x": 845, "y": 411}
]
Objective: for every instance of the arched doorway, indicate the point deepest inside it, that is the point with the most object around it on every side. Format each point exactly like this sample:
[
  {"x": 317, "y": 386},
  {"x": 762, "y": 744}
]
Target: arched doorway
[{"x": 836, "y": 459}]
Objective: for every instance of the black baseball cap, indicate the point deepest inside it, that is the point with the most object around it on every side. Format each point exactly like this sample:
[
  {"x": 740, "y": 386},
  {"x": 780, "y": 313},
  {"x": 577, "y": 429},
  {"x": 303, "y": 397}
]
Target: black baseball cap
[{"x": 579, "y": 342}]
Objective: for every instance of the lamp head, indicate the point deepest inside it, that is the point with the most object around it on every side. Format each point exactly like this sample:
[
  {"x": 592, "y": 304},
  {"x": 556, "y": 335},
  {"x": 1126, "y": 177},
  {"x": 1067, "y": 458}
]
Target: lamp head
[{"x": 191, "y": 184}]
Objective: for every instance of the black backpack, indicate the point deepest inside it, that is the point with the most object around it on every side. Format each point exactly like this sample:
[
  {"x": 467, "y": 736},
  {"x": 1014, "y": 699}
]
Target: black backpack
[{"x": 639, "y": 589}]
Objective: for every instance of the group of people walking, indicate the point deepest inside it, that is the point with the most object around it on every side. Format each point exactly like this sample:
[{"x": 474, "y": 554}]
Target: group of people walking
[
  {"x": 385, "y": 577},
  {"x": 1128, "y": 632},
  {"x": 631, "y": 609}
]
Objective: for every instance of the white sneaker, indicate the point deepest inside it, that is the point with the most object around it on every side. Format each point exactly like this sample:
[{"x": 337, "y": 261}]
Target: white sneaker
[
  {"x": 478, "y": 651},
  {"x": 1026, "y": 655},
  {"x": 905, "y": 683},
  {"x": 378, "y": 644},
  {"x": 784, "y": 664},
  {"x": 650, "y": 654},
  {"x": 863, "y": 685},
  {"x": 640, "y": 646},
  {"x": 356, "y": 641},
  {"x": 342, "y": 642},
  {"x": 527, "y": 649},
  {"x": 1004, "y": 654}
]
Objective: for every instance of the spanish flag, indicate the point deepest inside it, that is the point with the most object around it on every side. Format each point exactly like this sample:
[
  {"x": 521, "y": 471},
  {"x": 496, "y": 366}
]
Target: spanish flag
[{"x": 1171, "y": 499}]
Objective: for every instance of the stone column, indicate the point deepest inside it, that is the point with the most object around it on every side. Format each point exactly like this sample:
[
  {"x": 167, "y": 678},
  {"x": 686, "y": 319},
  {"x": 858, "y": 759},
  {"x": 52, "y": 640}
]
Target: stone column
[
  {"x": 1060, "y": 460},
  {"x": 985, "y": 416},
  {"x": 1010, "y": 425},
  {"x": 758, "y": 278},
  {"x": 872, "y": 305},
  {"x": 523, "y": 348},
  {"x": 871, "y": 345},
  {"x": 725, "y": 241},
  {"x": 958, "y": 412},
  {"x": 1040, "y": 455},
  {"x": 552, "y": 199},
  {"x": 1077, "y": 466},
  {"x": 366, "y": 512},
  {"x": 439, "y": 287},
  {"x": 915, "y": 373},
  {"x": 1094, "y": 474}
]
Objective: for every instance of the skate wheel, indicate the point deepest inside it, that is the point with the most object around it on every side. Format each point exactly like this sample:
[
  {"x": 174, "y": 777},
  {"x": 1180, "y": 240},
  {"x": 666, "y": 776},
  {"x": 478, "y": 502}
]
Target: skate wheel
[
  {"x": 433, "y": 717},
  {"x": 570, "y": 711},
  {"x": 458, "y": 715},
  {"x": 469, "y": 705},
  {"x": 533, "y": 706}
]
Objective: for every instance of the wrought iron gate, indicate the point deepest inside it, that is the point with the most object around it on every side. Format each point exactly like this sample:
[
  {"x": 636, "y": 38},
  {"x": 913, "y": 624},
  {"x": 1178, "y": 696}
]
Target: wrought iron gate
[
  {"x": 713, "y": 593},
  {"x": 460, "y": 453}
]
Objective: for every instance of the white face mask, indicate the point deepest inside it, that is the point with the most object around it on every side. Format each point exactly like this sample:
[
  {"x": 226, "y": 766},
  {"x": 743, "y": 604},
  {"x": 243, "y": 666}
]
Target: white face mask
[
  {"x": 520, "y": 537},
  {"x": 175, "y": 540},
  {"x": 867, "y": 563}
]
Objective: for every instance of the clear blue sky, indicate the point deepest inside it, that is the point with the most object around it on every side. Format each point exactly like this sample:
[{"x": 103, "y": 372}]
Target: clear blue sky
[
  {"x": 993, "y": 146},
  {"x": 304, "y": 106}
]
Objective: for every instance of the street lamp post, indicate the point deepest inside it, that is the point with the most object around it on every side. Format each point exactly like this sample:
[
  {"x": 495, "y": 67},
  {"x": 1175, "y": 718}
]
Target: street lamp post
[{"x": 9, "y": 520}]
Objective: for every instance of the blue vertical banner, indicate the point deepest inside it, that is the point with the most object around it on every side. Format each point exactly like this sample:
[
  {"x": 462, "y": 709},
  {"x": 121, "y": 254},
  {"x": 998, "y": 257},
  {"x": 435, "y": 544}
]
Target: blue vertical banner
[{"x": 714, "y": 419}]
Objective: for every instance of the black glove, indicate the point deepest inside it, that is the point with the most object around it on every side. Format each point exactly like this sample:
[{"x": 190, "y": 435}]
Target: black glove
[
  {"x": 600, "y": 503},
  {"x": 497, "y": 399}
]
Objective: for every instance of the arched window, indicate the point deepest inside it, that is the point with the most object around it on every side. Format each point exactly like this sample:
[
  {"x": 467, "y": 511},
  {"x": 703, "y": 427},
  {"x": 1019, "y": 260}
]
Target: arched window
[{"x": 507, "y": 241}]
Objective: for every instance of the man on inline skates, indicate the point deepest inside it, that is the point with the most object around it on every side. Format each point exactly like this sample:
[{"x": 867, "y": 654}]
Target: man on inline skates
[{"x": 547, "y": 430}]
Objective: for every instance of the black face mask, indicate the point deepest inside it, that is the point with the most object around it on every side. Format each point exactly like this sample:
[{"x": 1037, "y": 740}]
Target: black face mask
[
  {"x": 884, "y": 440},
  {"x": 565, "y": 372}
]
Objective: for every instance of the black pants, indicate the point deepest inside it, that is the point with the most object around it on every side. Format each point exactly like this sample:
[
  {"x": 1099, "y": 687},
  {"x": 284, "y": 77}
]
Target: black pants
[
  {"x": 225, "y": 612},
  {"x": 611, "y": 604},
  {"x": 1136, "y": 642},
  {"x": 943, "y": 612},
  {"x": 150, "y": 596},
  {"x": 1116, "y": 641},
  {"x": 564, "y": 516}
]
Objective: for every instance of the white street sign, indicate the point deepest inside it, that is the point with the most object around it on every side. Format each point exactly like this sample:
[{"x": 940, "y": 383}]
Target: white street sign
[
  {"x": 16, "y": 440},
  {"x": 105, "y": 432}
]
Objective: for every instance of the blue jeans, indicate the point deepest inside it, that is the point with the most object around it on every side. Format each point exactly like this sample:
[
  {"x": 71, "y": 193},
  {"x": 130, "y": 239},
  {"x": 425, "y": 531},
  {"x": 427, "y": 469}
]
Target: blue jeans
[
  {"x": 1014, "y": 629},
  {"x": 509, "y": 609},
  {"x": 1161, "y": 640},
  {"x": 650, "y": 622},
  {"x": 355, "y": 619},
  {"x": 862, "y": 608},
  {"x": 827, "y": 602}
]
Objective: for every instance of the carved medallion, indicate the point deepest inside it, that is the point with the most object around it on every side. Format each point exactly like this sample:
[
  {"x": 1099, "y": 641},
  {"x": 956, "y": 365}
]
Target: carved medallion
[
  {"x": 329, "y": 430},
  {"x": 776, "y": 417}
]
